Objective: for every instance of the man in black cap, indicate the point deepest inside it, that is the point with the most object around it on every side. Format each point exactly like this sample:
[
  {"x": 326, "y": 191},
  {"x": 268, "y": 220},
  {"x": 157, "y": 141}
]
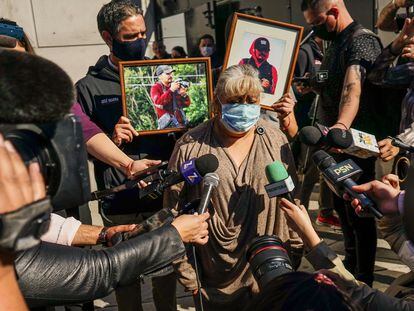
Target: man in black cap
[
  {"x": 169, "y": 98},
  {"x": 260, "y": 50}
]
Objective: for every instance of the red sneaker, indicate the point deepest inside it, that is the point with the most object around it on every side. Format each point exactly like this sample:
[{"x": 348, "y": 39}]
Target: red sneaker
[{"x": 329, "y": 221}]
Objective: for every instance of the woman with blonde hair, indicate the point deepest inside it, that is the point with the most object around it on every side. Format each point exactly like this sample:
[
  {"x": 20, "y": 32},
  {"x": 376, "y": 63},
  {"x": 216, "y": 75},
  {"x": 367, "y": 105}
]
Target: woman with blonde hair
[{"x": 241, "y": 210}]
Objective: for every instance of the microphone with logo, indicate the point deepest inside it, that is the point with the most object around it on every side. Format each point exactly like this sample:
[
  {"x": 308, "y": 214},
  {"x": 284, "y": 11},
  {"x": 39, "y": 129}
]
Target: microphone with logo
[
  {"x": 191, "y": 171},
  {"x": 340, "y": 178},
  {"x": 210, "y": 181},
  {"x": 280, "y": 183}
]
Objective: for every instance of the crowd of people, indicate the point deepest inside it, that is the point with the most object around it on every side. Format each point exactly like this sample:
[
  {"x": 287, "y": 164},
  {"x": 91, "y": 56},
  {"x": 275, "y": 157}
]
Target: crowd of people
[{"x": 366, "y": 87}]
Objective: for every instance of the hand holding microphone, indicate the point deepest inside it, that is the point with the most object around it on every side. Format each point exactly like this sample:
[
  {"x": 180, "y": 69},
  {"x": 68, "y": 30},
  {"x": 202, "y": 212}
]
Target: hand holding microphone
[{"x": 339, "y": 177}]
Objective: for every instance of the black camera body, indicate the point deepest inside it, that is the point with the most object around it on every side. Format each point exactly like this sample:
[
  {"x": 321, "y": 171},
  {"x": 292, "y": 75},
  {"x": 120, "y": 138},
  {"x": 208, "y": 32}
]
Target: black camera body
[
  {"x": 60, "y": 150},
  {"x": 317, "y": 80},
  {"x": 183, "y": 83}
]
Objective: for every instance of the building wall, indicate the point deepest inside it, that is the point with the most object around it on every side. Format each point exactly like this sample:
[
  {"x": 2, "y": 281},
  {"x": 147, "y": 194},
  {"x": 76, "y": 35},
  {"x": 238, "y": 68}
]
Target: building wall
[{"x": 65, "y": 31}]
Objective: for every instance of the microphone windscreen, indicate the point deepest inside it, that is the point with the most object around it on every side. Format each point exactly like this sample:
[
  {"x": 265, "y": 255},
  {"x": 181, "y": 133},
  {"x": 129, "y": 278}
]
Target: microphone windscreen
[
  {"x": 337, "y": 138},
  {"x": 33, "y": 89},
  {"x": 310, "y": 136},
  {"x": 276, "y": 172},
  {"x": 322, "y": 159},
  {"x": 207, "y": 163}
]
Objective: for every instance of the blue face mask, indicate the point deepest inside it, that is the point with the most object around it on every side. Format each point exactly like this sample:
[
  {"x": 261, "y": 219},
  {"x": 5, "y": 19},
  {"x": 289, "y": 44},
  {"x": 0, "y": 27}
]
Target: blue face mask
[
  {"x": 129, "y": 50},
  {"x": 240, "y": 117}
]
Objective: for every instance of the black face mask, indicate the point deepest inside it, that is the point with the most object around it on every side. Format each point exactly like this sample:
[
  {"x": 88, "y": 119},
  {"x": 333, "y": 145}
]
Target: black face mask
[
  {"x": 321, "y": 32},
  {"x": 129, "y": 50}
]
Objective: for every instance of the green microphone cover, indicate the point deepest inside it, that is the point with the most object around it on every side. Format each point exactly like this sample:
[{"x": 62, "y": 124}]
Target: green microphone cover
[{"x": 276, "y": 172}]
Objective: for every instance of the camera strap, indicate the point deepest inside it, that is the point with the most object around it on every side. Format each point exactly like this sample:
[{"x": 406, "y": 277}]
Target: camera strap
[{"x": 22, "y": 229}]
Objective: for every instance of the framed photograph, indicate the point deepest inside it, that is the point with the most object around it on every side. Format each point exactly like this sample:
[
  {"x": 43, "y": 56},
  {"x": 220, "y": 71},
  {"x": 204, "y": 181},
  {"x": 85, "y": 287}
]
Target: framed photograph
[
  {"x": 169, "y": 95},
  {"x": 270, "y": 46}
]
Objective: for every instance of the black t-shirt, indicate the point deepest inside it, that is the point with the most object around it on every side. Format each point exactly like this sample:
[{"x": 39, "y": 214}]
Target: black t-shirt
[{"x": 346, "y": 50}]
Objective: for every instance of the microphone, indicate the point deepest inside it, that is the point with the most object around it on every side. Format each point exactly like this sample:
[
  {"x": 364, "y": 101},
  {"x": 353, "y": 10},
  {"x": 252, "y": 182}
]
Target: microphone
[
  {"x": 323, "y": 137},
  {"x": 339, "y": 177},
  {"x": 280, "y": 183},
  {"x": 191, "y": 171},
  {"x": 211, "y": 180},
  {"x": 359, "y": 144},
  {"x": 51, "y": 96},
  {"x": 396, "y": 142}
]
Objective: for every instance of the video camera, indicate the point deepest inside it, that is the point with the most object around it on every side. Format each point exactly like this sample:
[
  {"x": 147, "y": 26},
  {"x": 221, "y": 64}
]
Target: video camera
[
  {"x": 35, "y": 119},
  {"x": 59, "y": 149},
  {"x": 317, "y": 80}
]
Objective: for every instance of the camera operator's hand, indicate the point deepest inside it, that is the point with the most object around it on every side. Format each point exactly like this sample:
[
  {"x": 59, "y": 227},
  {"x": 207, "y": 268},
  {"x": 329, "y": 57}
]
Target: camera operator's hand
[
  {"x": 284, "y": 106},
  {"x": 192, "y": 228},
  {"x": 265, "y": 83},
  {"x": 19, "y": 186},
  {"x": 174, "y": 86},
  {"x": 387, "y": 150},
  {"x": 384, "y": 195},
  {"x": 404, "y": 3},
  {"x": 405, "y": 37},
  {"x": 298, "y": 219},
  {"x": 123, "y": 131}
]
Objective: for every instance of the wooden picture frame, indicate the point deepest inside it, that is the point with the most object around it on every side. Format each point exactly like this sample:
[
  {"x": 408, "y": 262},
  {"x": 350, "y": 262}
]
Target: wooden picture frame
[
  {"x": 150, "y": 104},
  {"x": 250, "y": 35}
]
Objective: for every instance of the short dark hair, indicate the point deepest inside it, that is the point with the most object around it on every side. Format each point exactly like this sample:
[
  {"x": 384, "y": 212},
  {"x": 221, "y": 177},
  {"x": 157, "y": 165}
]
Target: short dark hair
[
  {"x": 33, "y": 89},
  {"x": 180, "y": 50},
  {"x": 206, "y": 36},
  {"x": 113, "y": 13},
  {"x": 314, "y": 5}
]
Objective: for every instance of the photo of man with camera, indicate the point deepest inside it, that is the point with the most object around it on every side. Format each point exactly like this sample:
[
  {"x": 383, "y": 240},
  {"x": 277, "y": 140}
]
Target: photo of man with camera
[{"x": 169, "y": 97}]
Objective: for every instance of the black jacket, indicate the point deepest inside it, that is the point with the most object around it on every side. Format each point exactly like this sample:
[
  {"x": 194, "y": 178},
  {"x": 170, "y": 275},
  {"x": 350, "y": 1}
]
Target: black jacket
[
  {"x": 99, "y": 94},
  {"x": 51, "y": 274}
]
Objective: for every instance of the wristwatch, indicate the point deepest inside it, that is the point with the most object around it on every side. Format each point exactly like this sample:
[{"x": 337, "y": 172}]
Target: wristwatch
[{"x": 102, "y": 237}]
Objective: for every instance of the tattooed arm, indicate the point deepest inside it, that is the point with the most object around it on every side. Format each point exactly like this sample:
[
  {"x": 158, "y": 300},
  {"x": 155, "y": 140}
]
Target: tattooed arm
[
  {"x": 387, "y": 19},
  {"x": 351, "y": 93}
]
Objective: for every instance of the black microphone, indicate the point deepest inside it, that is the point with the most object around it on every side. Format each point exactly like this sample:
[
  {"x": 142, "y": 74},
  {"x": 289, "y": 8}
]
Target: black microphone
[
  {"x": 339, "y": 178},
  {"x": 211, "y": 180},
  {"x": 396, "y": 142},
  {"x": 323, "y": 137},
  {"x": 338, "y": 138},
  {"x": 191, "y": 171}
]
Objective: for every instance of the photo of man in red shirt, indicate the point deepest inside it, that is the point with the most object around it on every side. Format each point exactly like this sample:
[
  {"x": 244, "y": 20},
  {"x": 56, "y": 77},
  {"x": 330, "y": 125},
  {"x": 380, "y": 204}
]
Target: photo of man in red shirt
[
  {"x": 259, "y": 51},
  {"x": 169, "y": 98}
]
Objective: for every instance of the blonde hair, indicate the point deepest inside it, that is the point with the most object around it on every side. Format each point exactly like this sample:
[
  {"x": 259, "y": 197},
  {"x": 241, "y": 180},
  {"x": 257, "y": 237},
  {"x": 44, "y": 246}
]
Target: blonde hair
[{"x": 236, "y": 81}]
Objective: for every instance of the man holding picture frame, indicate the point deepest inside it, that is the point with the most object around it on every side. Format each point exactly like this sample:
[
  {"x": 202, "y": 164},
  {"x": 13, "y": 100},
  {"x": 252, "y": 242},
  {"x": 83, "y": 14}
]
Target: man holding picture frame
[{"x": 122, "y": 27}]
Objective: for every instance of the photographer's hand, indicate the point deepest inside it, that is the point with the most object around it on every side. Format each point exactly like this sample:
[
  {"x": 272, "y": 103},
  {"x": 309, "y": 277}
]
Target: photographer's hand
[
  {"x": 123, "y": 131},
  {"x": 298, "y": 219},
  {"x": 19, "y": 186},
  {"x": 405, "y": 37},
  {"x": 174, "y": 86},
  {"x": 192, "y": 228}
]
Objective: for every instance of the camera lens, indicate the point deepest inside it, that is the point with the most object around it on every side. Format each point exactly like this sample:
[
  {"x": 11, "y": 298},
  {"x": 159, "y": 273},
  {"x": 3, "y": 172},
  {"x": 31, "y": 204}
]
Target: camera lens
[{"x": 268, "y": 259}]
